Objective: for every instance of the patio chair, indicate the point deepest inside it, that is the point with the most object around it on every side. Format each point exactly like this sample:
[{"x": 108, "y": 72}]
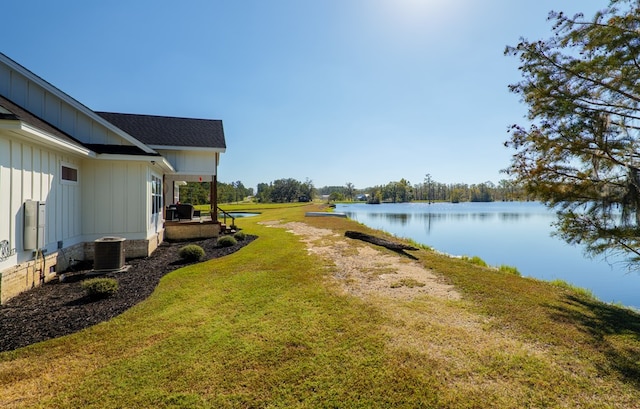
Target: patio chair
[{"x": 185, "y": 211}]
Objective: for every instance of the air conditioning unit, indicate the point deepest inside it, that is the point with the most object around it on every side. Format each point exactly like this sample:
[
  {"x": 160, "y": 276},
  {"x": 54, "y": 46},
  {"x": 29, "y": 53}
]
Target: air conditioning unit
[{"x": 108, "y": 254}]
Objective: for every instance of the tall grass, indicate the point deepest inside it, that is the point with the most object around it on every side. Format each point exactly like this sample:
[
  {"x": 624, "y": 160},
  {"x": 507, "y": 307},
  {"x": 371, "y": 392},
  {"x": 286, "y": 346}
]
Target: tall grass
[
  {"x": 577, "y": 290},
  {"x": 509, "y": 270},
  {"x": 475, "y": 260}
]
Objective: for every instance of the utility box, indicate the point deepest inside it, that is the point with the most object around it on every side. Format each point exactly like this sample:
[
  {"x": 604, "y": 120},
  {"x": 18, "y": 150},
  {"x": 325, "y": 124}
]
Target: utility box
[{"x": 34, "y": 223}]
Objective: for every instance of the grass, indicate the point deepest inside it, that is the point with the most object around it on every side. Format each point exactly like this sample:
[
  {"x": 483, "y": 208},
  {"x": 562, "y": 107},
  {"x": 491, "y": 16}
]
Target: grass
[
  {"x": 475, "y": 260},
  {"x": 583, "y": 292},
  {"x": 509, "y": 270},
  {"x": 268, "y": 327},
  {"x": 248, "y": 206}
]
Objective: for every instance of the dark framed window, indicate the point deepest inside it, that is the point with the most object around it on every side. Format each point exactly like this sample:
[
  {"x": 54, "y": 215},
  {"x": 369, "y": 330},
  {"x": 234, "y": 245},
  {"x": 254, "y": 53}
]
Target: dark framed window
[{"x": 68, "y": 173}]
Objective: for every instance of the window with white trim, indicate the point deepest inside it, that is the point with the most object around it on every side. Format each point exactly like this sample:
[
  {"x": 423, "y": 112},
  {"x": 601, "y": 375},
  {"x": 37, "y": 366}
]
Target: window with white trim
[{"x": 156, "y": 195}]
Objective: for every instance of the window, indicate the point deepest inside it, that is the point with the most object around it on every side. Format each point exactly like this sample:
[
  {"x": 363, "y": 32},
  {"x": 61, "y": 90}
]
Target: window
[
  {"x": 156, "y": 195},
  {"x": 68, "y": 173}
]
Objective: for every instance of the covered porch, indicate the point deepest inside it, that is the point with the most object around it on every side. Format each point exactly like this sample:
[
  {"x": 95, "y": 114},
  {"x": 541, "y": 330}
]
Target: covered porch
[{"x": 181, "y": 220}]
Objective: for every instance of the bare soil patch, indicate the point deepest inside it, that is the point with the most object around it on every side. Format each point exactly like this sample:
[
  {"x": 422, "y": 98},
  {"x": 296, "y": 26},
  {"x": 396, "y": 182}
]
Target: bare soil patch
[
  {"x": 59, "y": 308},
  {"x": 363, "y": 270}
]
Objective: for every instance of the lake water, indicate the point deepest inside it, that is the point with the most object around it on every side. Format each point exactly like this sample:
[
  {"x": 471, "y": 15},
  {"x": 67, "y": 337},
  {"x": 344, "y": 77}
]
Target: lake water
[{"x": 517, "y": 234}]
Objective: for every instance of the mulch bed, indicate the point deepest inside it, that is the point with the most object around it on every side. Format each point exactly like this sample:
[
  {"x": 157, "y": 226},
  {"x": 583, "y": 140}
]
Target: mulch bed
[{"x": 59, "y": 308}]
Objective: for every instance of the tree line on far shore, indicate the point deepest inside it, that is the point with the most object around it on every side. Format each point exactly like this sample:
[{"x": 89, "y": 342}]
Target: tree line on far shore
[
  {"x": 428, "y": 190},
  {"x": 291, "y": 190}
]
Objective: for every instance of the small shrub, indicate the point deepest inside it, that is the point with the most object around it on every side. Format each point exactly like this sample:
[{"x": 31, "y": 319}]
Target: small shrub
[
  {"x": 191, "y": 252},
  {"x": 509, "y": 270},
  {"x": 100, "y": 287},
  {"x": 227, "y": 241},
  {"x": 240, "y": 236}
]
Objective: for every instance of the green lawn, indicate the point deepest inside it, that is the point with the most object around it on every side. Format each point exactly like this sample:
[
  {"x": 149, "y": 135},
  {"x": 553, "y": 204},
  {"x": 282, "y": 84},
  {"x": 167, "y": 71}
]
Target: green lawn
[{"x": 269, "y": 327}]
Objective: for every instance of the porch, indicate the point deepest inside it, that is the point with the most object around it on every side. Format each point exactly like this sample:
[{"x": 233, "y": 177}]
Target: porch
[{"x": 184, "y": 223}]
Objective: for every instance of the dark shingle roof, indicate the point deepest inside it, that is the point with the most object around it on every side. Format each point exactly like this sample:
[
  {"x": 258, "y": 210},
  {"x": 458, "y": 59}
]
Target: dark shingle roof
[
  {"x": 20, "y": 114},
  {"x": 169, "y": 131}
]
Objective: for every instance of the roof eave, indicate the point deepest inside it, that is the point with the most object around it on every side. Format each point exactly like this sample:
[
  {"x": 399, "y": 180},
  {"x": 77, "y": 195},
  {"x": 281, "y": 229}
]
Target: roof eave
[
  {"x": 29, "y": 131},
  {"x": 152, "y": 159},
  {"x": 187, "y": 148}
]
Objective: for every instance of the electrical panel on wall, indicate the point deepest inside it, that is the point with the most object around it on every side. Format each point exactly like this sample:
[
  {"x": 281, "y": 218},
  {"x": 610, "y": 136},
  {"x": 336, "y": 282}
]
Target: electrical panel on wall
[{"x": 34, "y": 222}]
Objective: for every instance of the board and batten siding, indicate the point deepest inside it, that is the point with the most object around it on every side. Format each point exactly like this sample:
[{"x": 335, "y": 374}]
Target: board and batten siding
[
  {"x": 115, "y": 200},
  {"x": 31, "y": 172},
  {"x": 191, "y": 162},
  {"x": 39, "y": 101}
]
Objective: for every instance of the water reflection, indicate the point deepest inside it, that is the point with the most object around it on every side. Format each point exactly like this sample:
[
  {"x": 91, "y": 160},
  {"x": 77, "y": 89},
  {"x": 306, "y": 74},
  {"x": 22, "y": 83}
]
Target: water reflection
[
  {"x": 402, "y": 218},
  {"x": 513, "y": 217},
  {"x": 428, "y": 218}
]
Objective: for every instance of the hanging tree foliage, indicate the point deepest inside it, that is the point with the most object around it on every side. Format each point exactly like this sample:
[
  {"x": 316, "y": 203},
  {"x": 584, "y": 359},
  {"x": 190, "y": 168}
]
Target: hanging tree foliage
[{"x": 581, "y": 155}]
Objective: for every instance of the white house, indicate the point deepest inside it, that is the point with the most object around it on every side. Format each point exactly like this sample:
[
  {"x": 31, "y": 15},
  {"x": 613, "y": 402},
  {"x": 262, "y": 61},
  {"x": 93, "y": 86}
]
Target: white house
[{"x": 70, "y": 176}]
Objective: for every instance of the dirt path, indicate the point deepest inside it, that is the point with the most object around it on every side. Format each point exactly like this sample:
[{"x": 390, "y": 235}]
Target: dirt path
[{"x": 363, "y": 270}]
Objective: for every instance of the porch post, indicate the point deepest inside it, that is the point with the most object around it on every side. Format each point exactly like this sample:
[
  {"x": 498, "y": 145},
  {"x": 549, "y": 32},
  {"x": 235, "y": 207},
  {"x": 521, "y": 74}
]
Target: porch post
[{"x": 214, "y": 198}]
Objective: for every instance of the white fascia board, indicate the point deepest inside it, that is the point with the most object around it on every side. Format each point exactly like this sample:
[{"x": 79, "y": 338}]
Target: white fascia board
[
  {"x": 74, "y": 103},
  {"x": 186, "y": 148},
  {"x": 156, "y": 160},
  {"x": 46, "y": 138},
  {"x": 194, "y": 173},
  {"x": 58, "y": 142}
]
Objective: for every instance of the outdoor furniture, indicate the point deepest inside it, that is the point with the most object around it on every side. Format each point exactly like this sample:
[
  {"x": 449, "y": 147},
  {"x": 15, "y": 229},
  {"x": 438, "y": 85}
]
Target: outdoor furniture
[
  {"x": 185, "y": 211},
  {"x": 171, "y": 213}
]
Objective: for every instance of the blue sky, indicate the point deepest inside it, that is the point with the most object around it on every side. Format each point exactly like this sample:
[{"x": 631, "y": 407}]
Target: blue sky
[{"x": 336, "y": 91}]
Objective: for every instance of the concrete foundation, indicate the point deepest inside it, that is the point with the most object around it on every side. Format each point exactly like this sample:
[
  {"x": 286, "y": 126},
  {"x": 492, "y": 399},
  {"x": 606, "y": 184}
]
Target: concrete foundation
[
  {"x": 25, "y": 276},
  {"x": 190, "y": 230}
]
